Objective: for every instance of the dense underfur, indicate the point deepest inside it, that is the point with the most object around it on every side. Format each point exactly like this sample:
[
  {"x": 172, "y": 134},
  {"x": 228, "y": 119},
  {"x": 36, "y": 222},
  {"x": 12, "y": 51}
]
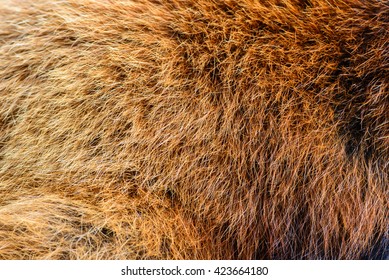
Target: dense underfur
[{"x": 194, "y": 129}]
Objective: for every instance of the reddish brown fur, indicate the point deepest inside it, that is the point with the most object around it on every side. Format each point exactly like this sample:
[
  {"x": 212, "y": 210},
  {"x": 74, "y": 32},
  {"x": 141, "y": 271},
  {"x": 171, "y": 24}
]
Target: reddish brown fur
[{"x": 175, "y": 129}]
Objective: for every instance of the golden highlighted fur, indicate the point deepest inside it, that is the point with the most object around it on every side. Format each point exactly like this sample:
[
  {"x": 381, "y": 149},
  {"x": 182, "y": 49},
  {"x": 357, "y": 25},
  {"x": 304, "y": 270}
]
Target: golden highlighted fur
[{"x": 183, "y": 129}]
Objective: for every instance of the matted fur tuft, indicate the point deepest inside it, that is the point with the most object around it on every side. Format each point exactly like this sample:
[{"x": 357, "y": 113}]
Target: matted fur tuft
[{"x": 194, "y": 129}]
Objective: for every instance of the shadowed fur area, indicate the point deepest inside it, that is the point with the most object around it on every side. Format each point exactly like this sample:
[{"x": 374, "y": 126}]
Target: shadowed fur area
[{"x": 183, "y": 129}]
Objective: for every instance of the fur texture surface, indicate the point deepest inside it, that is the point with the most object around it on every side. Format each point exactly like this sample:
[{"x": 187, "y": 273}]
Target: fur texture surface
[{"x": 194, "y": 129}]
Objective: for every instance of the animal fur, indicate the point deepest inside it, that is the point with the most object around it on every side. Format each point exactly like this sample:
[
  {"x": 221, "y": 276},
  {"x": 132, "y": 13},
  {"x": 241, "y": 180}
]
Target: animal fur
[{"x": 194, "y": 129}]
